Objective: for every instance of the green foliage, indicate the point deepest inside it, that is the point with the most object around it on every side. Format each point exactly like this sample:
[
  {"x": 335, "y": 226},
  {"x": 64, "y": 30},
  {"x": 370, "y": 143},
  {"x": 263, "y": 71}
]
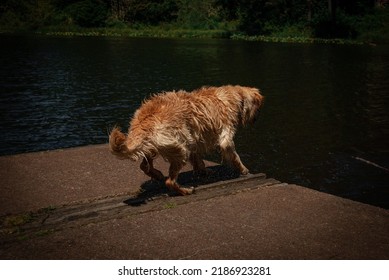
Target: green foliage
[
  {"x": 11, "y": 20},
  {"x": 166, "y": 31},
  {"x": 170, "y": 205},
  {"x": 115, "y": 23},
  {"x": 341, "y": 26},
  {"x": 281, "y": 19},
  {"x": 147, "y": 12},
  {"x": 251, "y": 16},
  {"x": 198, "y": 14},
  {"x": 374, "y": 27},
  {"x": 370, "y": 25},
  {"x": 88, "y": 13},
  {"x": 32, "y": 14}
]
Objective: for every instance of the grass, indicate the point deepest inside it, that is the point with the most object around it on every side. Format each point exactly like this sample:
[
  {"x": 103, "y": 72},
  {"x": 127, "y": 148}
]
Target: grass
[
  {"x": 292, "y": 34},
  {"x": 155, "y": 32},
  {"x": 18, "y": 220},
  {"x": 294, "y": 39},
  {"x": 282, "y": 36},
  {"x": 142, "y": 31},
  {"x": 12, "y": 224},
  {"x": 170, "y": 205},
  {"x": 15, "y": 224}
]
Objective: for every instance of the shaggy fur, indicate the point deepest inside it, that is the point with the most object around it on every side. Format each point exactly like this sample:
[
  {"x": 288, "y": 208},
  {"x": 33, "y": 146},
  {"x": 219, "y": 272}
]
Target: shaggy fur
[{"x": 182, "y": 126}]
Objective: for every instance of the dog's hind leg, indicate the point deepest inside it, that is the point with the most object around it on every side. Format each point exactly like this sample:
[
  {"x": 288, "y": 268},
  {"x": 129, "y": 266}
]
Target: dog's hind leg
[
  {"x": 171, "y": 181},
  {"x": 148, "y": 168}
]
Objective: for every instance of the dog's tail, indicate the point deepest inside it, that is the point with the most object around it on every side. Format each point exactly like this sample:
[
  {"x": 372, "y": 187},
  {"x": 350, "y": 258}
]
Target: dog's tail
[
  {"x": 121, "y": 147},
  {"x": 117, "y": 143}
]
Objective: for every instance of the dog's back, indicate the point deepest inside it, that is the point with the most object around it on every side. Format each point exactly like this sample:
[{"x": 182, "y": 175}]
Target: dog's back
[{"x": 193, "y": 121}]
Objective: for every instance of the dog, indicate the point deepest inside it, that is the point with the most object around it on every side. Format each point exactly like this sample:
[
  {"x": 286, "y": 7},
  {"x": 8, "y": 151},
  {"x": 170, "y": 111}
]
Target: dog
[{"x": 182, "y": 126}]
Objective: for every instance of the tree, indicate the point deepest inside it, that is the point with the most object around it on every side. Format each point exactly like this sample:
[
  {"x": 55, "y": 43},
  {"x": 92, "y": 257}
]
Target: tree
[
  {"x": 309, "y": 8},
  {"x": 251, "y": 15},
  {"x": 119, "y": 9},
  {"x": 198, "y": 13},
  {"x": 89, "y": 13},
  {"x": 26, "y": 14}
]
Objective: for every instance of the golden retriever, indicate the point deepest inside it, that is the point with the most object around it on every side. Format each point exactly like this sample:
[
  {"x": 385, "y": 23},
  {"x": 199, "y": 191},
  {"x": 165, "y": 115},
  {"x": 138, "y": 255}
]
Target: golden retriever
[{"x": 182, "y": 127}]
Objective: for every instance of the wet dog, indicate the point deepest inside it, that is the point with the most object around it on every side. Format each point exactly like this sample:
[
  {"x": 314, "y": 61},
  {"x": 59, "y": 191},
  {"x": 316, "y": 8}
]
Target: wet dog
[{"x": 182, "y": 127}]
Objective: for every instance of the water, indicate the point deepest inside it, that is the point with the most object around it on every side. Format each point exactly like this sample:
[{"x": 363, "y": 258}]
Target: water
[{"x": 324, "y": 124}]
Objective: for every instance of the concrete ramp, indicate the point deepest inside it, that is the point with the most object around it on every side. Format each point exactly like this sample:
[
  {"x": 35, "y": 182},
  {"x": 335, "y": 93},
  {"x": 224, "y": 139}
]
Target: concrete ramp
[{"x": 83, "y": 203}]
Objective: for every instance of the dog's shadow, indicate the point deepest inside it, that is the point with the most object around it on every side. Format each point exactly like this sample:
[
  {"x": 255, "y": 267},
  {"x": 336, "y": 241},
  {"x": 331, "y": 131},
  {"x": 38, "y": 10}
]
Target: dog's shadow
[{"x": 152, "y": 189}]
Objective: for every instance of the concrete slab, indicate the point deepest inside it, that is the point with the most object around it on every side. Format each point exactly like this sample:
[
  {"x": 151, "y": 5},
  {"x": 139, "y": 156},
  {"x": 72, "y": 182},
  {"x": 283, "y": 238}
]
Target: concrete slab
[
  {"x": 44, "y": 179},
  {"x": 98, "y": 213}
]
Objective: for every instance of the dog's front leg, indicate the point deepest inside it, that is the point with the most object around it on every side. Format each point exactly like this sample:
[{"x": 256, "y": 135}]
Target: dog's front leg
[
  {"x": 171, "y": 181},
  {"x": 227, "y": 148},
  {"x": 231, "y": 156}
]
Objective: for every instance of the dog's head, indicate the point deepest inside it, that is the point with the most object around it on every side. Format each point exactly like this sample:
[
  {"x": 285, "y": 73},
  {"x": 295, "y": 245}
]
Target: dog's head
[{"x": 251, "y": 102}]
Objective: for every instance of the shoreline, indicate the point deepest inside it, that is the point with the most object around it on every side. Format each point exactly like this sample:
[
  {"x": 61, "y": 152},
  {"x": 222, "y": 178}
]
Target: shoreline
[{"x": 178, "y": 33}]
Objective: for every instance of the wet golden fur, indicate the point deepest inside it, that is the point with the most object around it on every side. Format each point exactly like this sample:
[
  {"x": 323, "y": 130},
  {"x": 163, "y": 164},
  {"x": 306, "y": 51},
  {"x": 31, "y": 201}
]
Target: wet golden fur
[{"x": 182, "y": 127}]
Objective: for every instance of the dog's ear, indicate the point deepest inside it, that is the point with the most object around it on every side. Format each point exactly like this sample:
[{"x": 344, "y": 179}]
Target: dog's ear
[
  {"x": 252, "y": 101},
  {"x": 259, "y": 99}
]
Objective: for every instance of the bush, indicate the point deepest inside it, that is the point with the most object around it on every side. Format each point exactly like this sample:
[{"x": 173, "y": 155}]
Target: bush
[
  {"x": 10, "y": 20},
  {"x": 151, "y": 12},
  {"x": 88, "y": 13},
  {"x": 115, "y": 23},
  {"x": 251, "y": 17},
  {"x": 374, "y": 27},
  {"x": 24, "y": 15},
  {"x": 344, "y": 26},
  {"x": 198, "y": 14}
]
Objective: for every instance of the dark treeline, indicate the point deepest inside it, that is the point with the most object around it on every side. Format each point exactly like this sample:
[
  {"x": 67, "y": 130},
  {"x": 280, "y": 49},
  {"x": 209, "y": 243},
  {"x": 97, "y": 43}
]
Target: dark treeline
[{"x": 315, "y": 18}]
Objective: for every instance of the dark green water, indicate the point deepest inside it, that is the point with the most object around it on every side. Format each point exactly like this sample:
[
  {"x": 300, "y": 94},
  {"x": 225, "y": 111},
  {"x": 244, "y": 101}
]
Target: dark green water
[{"x": 326, "y": 105}]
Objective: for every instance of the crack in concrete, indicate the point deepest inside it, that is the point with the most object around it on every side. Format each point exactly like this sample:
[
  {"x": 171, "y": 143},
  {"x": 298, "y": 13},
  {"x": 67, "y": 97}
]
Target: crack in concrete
[{"x": 121, "y": 206}]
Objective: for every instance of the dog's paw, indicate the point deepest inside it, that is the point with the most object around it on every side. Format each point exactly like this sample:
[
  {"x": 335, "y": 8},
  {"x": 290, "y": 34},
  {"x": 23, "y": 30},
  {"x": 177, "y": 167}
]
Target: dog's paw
[
  {"x": 187, "y": 191},
  {"x": 244, "y": 171}
]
